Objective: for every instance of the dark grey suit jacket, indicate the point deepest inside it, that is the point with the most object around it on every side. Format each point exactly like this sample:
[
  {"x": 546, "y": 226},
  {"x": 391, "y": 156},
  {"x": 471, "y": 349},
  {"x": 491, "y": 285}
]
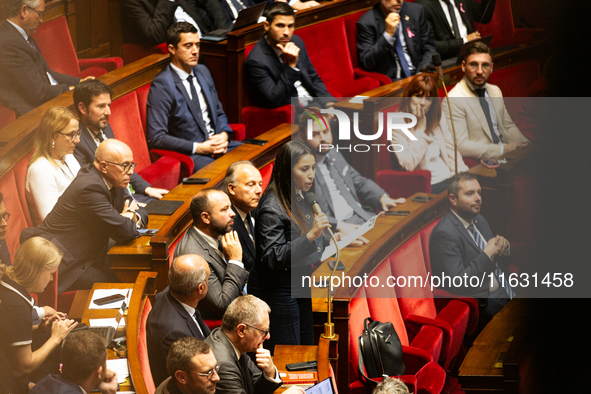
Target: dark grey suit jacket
[
  {"x": 81, "y": 223},
  {"x": 226, "y": 281},
  {"x": 23, "y": 80},
  {"x": 167, "y": 322},
  {"x": 374, "y": 52},
  {"x": 86, "y": 148},
  {"x": 454, "y": 252},
  {"x": 237, "y": 377},
  {"x": 366, "y": 191},
  {"x": 248, "y": 249}
]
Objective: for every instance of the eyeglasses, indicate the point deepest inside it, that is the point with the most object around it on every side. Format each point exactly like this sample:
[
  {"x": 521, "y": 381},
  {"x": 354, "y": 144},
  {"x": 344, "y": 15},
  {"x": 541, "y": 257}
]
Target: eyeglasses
[
  {"x": 5, "y": 216},
  {"x": 210, "y": 373},
  {"x": 40, "y": 14},
  {"x": 126, "y": 167},
  {"x": 473, "y": 66},
  {"x": 258, "y": 329},
  {"x": 73, "y": 135}
]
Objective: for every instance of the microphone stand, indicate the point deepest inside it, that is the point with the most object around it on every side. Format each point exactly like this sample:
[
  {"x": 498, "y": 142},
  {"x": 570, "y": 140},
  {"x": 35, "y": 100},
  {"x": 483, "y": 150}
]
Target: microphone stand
[{"x": 329, "y": 325}]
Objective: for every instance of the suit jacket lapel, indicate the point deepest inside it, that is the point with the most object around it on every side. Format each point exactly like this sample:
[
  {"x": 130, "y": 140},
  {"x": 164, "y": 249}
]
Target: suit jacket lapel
[
  {"x": 205, "y": 246},
  {"x": 243, "y": 231},
  {"x": 242, "y": 364},
  {"x": 441, "y": 15},
  {"x": 192, "y": 108},
  {"x": 474, "y": 104},
  {"x": 276, "y": 63},
  {"x": 452, "y": 216},
  {"x": 207, "y": 94},
  {"x": 322, "y": 183},
  {"x": 183, "y": 312},
  {"x": 406, "y": 27}
]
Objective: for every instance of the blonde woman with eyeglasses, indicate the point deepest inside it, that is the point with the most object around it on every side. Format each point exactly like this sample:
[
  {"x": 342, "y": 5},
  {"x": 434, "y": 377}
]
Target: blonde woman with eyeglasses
[{"x": 53, "y": 166}]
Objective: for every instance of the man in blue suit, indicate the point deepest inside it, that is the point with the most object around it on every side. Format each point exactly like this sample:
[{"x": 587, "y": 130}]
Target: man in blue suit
[
  {"x": 394, "y": 38},
  {"x": 184, "y": 113}
]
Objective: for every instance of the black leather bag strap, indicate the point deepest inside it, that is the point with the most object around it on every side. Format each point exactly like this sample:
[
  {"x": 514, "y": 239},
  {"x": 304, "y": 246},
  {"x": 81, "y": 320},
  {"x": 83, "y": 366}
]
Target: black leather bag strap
[{"x": 361, "y": 371}]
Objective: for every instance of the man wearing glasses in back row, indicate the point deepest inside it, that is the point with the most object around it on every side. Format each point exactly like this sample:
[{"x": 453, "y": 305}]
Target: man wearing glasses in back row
[{"x": 92, "y": 210}]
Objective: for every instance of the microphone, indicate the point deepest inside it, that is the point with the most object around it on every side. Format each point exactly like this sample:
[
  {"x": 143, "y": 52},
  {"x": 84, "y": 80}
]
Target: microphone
[
  {"x": 312, "y": 202},
  {"x": 482, "y": 17},
  {"x": 436, "y": 58}
]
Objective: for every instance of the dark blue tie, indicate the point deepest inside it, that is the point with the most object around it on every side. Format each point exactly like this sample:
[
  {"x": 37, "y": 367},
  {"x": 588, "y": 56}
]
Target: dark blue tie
[
  {"x": 400, "y": 53},
  {"x": 486, "y": 109}
]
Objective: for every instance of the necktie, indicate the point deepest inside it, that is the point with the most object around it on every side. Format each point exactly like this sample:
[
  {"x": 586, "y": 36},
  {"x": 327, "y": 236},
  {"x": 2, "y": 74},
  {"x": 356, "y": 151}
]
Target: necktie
[
  {"x": 235, "y": 7},
  {"x": 345, "y": 192},
  {"x": 400, "y": 53},
  {"x": 196, "y": 316},
  {"x": 452, "y": 16},
  {"x": 194, "y": 97},
  {"x": 100, "y": 136},
  {"x": 113, "y": 194},
  {"x": 249, "y": 226},
  {"x": 482, "y": 244},
  {"x": 486, "y": 110}
]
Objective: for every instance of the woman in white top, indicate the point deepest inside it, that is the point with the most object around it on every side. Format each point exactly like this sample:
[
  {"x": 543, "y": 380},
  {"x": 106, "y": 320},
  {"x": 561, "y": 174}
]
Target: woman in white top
[
  {"x": 52, "y": 167},
  {"x": 434, "y": 148}
]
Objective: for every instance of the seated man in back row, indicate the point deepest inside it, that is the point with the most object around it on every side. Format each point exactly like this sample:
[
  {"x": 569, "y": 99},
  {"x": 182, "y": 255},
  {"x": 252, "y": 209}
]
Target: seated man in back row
[
  {"x": 184, "y": 113},
  {"x": 278, "y": 68},
  {"x": 394, "y": 38}
]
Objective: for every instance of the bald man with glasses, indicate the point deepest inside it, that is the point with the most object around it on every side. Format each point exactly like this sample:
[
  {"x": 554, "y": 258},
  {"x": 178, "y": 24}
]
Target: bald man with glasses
[{"x": 92, "y": 210}]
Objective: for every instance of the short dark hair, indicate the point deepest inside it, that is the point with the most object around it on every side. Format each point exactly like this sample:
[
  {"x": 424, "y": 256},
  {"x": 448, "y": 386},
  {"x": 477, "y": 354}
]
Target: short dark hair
[
  {"x": 453, "y": 187},
  {"x": 278, "y": 8},
  {"x": 477, "y": 47},
  {"x": 87, "y": 90},
  {"x": 182, "y": 351},
  {"x": 82, "y": 353},
  {"x": 200, "y": 203},
  {"x": 173, "y": 35}
]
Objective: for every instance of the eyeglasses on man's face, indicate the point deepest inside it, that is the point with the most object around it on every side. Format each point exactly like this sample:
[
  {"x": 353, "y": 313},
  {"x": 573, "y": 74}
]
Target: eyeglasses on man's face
[
  {"x": 209, "y": 374},
  {"x": 40, "y": 14},
  {"x": 72, "y": 136},
  {"x": 258, "y": 329},
  {"x": 126, "y": 167},
  {"x": 473, "y": 66}
]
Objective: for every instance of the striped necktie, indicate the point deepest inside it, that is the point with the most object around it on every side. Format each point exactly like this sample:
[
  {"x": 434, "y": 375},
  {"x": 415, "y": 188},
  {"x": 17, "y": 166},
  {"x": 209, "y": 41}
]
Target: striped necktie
[{"x": 345, "y": 192}]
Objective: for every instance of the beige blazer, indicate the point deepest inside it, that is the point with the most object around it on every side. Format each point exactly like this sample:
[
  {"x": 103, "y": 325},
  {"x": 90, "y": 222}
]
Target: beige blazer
[
  {"x": 414, "y": 151},
  {"x": 472, "y": 131}
]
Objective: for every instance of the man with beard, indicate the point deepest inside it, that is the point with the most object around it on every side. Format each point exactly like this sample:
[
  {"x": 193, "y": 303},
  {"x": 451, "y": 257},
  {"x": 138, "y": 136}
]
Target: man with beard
[
  {"x": 244, "y": 185},
  {"x": 463, "y": 245},
  {"x": 211, "y": 237},
  {"x": 483, "y": 127},
  {"x": 340, "y": 189},
  {"x": 92, "y": 100}
]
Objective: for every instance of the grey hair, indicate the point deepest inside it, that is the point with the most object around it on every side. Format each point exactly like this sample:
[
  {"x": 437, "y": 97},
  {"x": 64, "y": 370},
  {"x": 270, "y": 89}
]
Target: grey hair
[
  {"x": 231, "y": 173},
  {"x": 245, "y": 309},
  {"x": 391, "y": 386},
  {"x": 185, "y": 282},
  {"x": 14, "y": 6}
]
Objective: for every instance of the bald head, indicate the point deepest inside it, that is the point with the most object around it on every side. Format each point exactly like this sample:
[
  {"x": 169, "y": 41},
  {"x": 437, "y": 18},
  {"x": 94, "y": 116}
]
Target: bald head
[
  {"x": 113, "y": 159},
  {"x": 188, "y": 275}
]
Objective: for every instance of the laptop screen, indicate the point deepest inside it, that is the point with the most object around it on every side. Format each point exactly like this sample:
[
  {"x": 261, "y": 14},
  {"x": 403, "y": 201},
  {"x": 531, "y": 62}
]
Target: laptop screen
[{"x": 324, "y": 387}]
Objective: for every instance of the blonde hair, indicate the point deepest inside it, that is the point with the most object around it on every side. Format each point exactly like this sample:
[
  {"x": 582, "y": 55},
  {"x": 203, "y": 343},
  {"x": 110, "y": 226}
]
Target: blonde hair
[
  {"x": 33, "y": 256},
  {"x": 54, "y": 120}
]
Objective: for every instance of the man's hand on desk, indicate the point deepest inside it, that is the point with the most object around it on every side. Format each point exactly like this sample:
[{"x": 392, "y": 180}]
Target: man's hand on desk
[
  {"x": 515, "y": 145},
  {"x": 217, "y": 144},
  {"x": 348, "y": 228},
  {"x": 388, "y": 202},
  {"x": 109, "y": 383},
  {"x": 155, "y": 192}
]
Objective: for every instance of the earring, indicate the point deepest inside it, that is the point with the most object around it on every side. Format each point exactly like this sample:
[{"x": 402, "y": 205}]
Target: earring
[{"x": 52, "y": 144}]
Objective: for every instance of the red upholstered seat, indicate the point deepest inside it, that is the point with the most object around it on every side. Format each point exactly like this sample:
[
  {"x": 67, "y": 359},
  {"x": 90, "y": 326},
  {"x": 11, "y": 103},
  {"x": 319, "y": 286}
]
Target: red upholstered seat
[
  {"x": 143, "y": 349},
  {"x": 126, "y": 122},
  {"x": 351, "y": 32},
  {"x": 55, "y": 43},
  {"x": 504, "y": 30},
  {"x": 7, "y": 116},
  {"x": 333, "y": 62},
  {"x": 516, "y": 81}
]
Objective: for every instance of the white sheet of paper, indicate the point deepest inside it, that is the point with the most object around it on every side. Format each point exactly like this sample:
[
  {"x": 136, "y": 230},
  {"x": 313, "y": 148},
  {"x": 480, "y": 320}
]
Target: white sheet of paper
[
  {"x": 358, "y": 99},
  {"x": 110, "y": 322},
  {"x": 100, "y": 293},
  {"x": 347, "y": 239},
  {"x": 119, "y": 366}
]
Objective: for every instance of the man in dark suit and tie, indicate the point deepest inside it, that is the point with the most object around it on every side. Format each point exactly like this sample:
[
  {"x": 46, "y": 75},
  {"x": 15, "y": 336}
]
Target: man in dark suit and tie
[
  {"x": 183, "y": 113},
  {"x": 394, "y": 38},
  {"x": 26, "y": 81},
  {"x": 244, "y": 186},
  {"x": 146, "y": 21},
  {"x": 211, "y": 237},
  {"x": 245, "y": 327},
  {"x": 278, "y": 67},
  {"x": 92, "y": 210},
  {"x": 175, "y": 313},
  {"x": 462, "y": 243},
  {"x": 92, "y": 100},
  {"x": 452, "y": 22}
]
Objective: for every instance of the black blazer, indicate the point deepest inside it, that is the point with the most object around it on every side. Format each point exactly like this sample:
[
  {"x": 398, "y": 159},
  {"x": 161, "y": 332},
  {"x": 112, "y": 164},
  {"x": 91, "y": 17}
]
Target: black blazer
[
  {"x": 284, "y": 253},
  {"x": 23, "y": 80},
  {"x": 55, "y": 384},
  {"x": 248, "y": 250},
  {"x": 374, "y": 52},
  {"x": 272, "y": 83},
  {"x": 237, "y": 376},
  {"x": 167, "y": 322},
  {"x": 454, "y": 252},
  {"x": 145, "y": 22},
  {"x": 4, "y": 254},
  {"x": 470, "y": 11},
  {"x": 81, "y": 223},
  {"x": 86, "y": 148}
]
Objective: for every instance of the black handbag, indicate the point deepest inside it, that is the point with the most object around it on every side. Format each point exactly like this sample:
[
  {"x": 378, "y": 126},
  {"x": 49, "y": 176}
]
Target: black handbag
[{"x": 380, "y": 351}]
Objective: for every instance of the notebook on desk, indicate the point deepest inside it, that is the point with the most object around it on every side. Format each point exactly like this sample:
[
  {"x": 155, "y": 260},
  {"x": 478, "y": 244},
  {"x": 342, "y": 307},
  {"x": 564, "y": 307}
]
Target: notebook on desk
[{"x": 246, "y": 17}]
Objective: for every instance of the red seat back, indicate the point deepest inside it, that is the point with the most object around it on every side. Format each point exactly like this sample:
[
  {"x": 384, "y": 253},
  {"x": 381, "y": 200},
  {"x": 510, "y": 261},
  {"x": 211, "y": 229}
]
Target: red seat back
[
  {"x": 55, "y": 43},
  {"x": 351, "y": 28},
  {"x": 7, "y": 116},
  {"x": 425, "y": 236},
  {"x": 143, "y": 349},
  {"x": 142, "y": 100}
]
